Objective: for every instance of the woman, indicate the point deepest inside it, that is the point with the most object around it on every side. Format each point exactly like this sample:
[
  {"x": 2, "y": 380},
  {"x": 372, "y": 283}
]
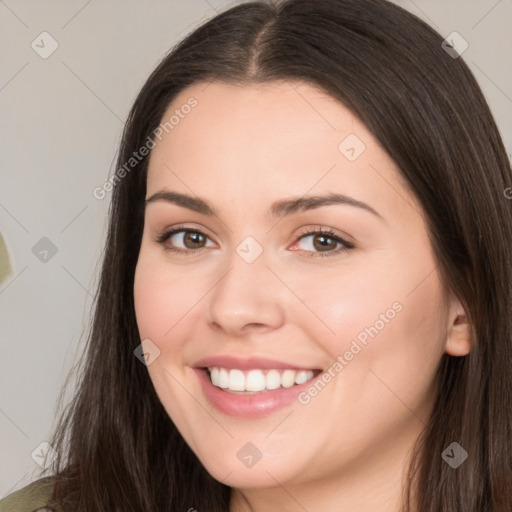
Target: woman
[{"x": 304, "y": 302}]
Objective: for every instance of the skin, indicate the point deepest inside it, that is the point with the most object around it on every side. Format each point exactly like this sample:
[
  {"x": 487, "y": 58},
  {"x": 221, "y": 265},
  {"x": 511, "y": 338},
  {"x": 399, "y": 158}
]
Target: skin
[{"x": 242, "y": 148}]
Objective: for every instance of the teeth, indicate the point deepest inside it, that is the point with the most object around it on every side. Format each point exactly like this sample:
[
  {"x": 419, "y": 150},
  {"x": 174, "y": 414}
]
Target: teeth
[
  {"x": 288, "y": 378},
  {"x": 301, "y": 377},
  {"x": 273, "y": 379},
  {"x": 236, "y": 380},
  {"x": 257, "y": 380},
  {"x": 223, "y": 378}
]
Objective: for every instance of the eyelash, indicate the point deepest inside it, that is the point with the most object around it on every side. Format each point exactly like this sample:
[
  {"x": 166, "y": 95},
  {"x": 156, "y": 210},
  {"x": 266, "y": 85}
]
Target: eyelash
[{"x": 162, "y": 238}]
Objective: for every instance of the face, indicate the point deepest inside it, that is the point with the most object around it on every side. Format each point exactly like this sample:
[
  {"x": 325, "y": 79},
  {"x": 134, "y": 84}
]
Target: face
[{"x": 346, "y": 293}]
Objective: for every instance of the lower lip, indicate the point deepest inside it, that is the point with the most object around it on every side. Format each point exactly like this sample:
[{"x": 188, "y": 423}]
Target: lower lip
[{"x": 249, "y": 406}]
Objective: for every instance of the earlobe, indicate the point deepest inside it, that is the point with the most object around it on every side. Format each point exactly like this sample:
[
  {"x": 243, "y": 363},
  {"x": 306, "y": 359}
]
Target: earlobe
[{"x": 459, "y": 338}]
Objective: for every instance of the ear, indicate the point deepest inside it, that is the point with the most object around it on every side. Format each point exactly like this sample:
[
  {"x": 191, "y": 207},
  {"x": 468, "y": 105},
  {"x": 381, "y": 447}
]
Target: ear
[{"x": 459, "y": 340}]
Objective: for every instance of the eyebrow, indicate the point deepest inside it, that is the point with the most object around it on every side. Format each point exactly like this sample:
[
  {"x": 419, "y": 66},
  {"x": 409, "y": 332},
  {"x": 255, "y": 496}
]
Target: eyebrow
[{"x": 279, "y": 208}]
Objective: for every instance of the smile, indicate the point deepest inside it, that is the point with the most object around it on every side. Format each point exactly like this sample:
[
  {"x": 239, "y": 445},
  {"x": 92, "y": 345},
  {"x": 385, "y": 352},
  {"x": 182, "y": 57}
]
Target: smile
[{"x": 258, "y": 380}]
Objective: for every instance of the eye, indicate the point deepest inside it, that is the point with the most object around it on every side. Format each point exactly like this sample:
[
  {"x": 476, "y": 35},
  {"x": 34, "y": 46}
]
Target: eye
[
  {"x": 193, "y": 239},
  {"x": 324, "y": 242}
]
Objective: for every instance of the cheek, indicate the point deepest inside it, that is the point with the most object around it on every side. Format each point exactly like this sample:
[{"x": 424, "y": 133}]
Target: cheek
[
  {"x": 148, "y": 304},
  {"x": 387, "y": 318},
  {"x": 159, "y": 306},
  {"x": 157, "y": 310},
  {"x": 169, "y": 302},
  {"x": 385, "y": 350},
  {"x": 348, "y": 304}
]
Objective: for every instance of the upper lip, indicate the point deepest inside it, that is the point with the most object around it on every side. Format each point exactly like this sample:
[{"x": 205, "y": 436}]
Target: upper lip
[{"x": 251, "y": 363}]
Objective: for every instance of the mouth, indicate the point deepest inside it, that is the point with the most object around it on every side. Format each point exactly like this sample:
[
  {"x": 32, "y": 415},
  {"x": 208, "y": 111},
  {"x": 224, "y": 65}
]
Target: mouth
[
  {"x": 257, "y": 381},
  {"x": 254, "y": 387}
]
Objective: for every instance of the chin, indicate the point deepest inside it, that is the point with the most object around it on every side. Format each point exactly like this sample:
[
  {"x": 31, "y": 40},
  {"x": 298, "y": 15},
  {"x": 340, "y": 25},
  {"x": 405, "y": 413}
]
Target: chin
[{"x": 263, "y": 474}]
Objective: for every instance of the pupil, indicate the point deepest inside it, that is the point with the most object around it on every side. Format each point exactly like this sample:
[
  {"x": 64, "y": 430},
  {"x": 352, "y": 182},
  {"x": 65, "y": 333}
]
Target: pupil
[
  {"x": 192, "y": 236},
  {"x": 323, "y": 245}
]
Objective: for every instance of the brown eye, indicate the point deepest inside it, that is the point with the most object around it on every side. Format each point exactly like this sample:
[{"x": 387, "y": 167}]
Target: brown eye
[
  {"x": 321, "y": 242},
  {"x": 191, "y": 240},
  {"x": 324, "y": 243}
]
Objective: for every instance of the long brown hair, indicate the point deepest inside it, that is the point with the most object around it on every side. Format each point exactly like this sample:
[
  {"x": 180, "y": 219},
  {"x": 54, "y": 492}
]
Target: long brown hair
[{"x": 117, "y": 448}]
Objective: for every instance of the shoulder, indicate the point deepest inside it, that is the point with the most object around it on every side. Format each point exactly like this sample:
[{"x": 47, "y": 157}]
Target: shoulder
[{"x": 31, "y": 498}]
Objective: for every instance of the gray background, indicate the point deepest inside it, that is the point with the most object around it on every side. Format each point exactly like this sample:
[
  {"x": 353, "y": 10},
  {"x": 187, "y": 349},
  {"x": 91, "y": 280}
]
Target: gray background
[{"x": 61, "y": 121}]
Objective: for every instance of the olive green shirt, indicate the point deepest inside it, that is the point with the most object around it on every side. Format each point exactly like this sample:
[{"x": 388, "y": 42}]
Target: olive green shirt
[{"x": 35, "y": 496}]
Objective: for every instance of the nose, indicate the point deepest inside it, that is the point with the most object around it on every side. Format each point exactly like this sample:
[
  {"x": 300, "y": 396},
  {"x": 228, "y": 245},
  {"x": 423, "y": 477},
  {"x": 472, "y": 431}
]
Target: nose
[{"x": 247, "y": 298}]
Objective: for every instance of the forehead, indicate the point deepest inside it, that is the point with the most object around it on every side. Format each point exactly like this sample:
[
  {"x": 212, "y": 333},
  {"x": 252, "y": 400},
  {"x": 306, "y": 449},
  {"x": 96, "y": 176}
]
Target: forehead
[
  {"x": 271, "y": 105},
  {"x": 283, "y": 136}
]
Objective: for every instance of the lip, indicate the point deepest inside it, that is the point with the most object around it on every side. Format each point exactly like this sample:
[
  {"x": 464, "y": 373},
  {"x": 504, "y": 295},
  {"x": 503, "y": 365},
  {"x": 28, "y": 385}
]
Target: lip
[
  {"x": 251, "y": 363},
  {"x": 250, "y": 406}
]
